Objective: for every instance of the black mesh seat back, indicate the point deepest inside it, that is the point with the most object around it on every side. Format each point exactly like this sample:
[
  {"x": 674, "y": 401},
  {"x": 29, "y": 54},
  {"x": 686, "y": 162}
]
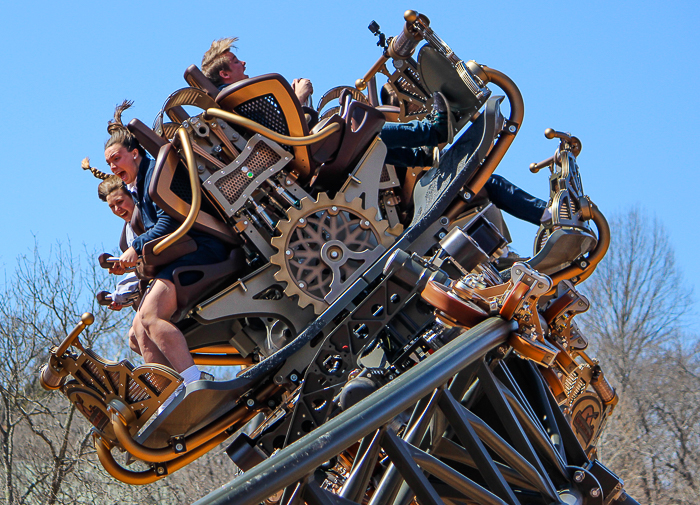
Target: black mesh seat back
[
  {"x": 170, "y": 189},
  {"x": 270, "y": 101}
]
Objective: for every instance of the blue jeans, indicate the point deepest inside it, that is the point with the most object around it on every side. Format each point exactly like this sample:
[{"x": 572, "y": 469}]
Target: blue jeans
[
  {"x": 510, "y": 198},
  {"x": 404, "y": 140}
]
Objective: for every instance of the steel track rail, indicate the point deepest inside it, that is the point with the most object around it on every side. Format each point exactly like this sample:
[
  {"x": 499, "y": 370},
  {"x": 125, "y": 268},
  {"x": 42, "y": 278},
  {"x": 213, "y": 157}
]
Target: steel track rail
[{"x": 296, "y": 461}]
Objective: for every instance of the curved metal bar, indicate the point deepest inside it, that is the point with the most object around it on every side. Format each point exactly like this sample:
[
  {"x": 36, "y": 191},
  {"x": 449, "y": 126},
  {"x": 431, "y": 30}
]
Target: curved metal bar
[
  {"x": 238, "y": 415},
  {"x": 517, "y": 112},
  {"x": 119, "y": 472},
  {"x": 266, "y": 132},
  {"x": 594, "y": 257},
  {"x": 221, "y": 359},
  {"x": 193, "y": 441},
  {"x": 85, "y": 320},
  {"x": 196, "y": 197},
  {"x": 149, "y": 476}
]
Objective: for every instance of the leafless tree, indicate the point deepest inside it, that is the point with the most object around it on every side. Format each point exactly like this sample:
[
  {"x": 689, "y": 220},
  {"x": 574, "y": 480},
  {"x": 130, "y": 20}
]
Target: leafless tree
[
  {"x": 39, "y": 304},
  {"x": 639, "y": 307},
  {"x": 638, "y": 298},
  {"x": 47, "y": 454}
]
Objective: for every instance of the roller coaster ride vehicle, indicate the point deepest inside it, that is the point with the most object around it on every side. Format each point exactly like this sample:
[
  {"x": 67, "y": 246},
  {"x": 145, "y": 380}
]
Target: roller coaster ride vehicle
[{"x": 387, "y": 359}]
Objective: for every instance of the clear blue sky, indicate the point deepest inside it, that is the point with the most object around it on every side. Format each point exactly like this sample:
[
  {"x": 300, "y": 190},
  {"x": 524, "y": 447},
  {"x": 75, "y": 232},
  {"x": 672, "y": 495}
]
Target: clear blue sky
[{"x": 623, "y": 77}]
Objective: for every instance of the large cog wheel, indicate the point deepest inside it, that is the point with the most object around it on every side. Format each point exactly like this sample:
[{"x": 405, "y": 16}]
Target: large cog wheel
[{"x": 325, "y": 246}]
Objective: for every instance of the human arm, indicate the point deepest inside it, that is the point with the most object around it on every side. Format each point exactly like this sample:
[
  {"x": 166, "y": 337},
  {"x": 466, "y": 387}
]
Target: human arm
[
  {"x": 303, "y": 89},
  {"x": 164, "y": 225}
]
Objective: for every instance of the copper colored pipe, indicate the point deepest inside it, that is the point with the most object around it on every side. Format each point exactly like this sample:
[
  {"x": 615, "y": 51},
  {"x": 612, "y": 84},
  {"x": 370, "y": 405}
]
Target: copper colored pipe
[
  {"x": 196, "y": 197},
  {"x": 457, "y": 208},
  {"x": 327, "y": 131},
  {"x": 119, "y": 472},
  {"x": 85, "y": 320},
  {"x": 216, "y": 349},
  {"x": 149, "y": 476},
  {"x": 192, "y": 441},
  {"x": 593, "y": 258},
  {"x": 220, "y": 359},
  {"x": 517, "y": 111},
  {"x": 361, "y": 84}
]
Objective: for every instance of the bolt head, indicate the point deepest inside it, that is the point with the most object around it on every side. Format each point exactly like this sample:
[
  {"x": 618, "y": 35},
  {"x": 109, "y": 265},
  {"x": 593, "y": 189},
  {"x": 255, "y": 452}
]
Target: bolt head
[
  {"x": 334, "y": 208},
  {"x": 250, "y": 402},
  {"x": 511, "y": 128},
  {"x": 595, "y": 492},
  {"x": 578, "y": 476},
  {"x": 293, "y": 377},
  {"x": 288, "y": 252},
  {"x": 179, "y": 447},
  {"x": 441, "y": 235}
]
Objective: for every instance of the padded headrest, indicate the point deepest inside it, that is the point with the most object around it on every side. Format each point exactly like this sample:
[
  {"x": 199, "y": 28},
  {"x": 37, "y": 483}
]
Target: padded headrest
[
  {"x": 196, "y": 78},
  {"x": 148, "y": 139}
]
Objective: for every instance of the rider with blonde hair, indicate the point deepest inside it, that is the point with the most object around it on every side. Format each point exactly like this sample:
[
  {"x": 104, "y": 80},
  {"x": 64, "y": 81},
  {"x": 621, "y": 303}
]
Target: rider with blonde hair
[{"x": 159, "y": 340}]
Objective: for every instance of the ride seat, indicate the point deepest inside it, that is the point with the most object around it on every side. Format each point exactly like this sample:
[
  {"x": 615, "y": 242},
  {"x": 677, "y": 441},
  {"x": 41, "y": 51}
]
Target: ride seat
[
  {"x": 170, "y": 190},
  {"x": 148, "y": 139},
  {"x": 212, "y": 278},
  {"x": 362, "y": 123},
  {"x": 270, "y": 101}
]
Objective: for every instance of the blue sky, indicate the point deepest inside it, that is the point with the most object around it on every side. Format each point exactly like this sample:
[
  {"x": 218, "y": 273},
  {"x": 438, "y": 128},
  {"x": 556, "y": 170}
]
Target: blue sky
[{"x": 623, "y": 77}]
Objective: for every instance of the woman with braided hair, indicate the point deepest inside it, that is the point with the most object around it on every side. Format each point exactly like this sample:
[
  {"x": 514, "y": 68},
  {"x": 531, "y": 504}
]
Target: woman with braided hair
[
  {"x": 159, "y": 340},
  {"x": 121, "y": 202}
]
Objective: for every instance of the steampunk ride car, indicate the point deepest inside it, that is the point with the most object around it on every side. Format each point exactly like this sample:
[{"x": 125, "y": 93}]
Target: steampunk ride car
[{"x": 391, "y": 351}]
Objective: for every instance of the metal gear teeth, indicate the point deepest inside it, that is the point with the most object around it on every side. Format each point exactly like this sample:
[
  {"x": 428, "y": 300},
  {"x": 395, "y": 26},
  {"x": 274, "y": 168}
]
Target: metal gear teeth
[{"x": 308, "y": 207}]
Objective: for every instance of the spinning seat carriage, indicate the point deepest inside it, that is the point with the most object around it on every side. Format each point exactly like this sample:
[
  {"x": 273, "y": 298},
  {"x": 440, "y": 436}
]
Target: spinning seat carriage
[{"x": 328, "y": 265}]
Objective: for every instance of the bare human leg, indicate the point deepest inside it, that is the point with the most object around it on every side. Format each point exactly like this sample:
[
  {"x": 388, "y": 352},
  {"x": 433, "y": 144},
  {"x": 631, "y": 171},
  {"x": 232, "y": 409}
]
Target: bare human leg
[
  {"x": 158, "y": 306},
  {"x": 146, "y": 347}
]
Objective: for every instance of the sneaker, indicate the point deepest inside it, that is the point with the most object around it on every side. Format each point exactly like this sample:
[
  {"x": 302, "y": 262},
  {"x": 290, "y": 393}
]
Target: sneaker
[{"x": 443, "y": 116}]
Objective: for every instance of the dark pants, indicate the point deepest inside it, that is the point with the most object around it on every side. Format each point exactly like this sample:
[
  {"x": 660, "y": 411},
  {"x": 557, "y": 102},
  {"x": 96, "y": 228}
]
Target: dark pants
[
  {"x": 511, "y": 199},
  {"x": 404, "y": 142}
]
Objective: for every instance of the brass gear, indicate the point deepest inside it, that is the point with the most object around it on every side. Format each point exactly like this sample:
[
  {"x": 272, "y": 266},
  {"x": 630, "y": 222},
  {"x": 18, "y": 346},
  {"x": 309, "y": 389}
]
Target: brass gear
[{"x": 325, "y": 245}]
